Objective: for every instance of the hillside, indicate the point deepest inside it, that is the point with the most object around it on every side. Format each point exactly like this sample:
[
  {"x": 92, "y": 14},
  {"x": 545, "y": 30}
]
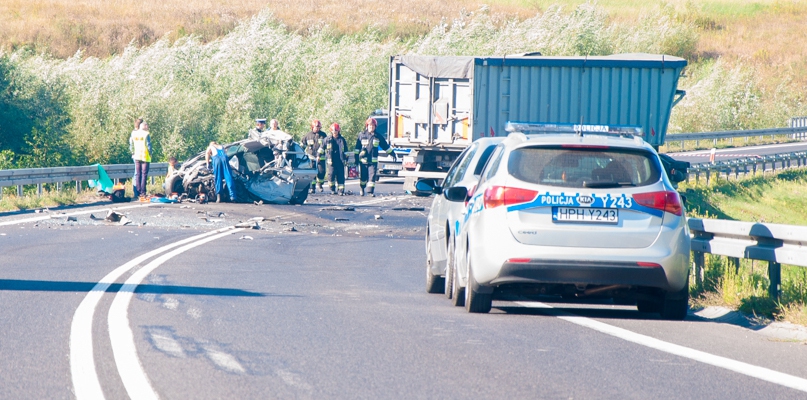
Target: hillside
[{"x": 202, "y": 69}]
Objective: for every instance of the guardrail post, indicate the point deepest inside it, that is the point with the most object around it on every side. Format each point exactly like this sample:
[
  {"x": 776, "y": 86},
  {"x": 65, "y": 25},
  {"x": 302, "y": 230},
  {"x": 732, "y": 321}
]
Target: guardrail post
[
  {"x": 19, "y": 190},
  {"x": 1, "y": 193},
  {"x": 697, "y": 265},
  {"x": 736, "y": 263},
  {"x": 39, "y": 190},
  {"x": 775, "y": 277},
  {"x": 78, "y": 187}
]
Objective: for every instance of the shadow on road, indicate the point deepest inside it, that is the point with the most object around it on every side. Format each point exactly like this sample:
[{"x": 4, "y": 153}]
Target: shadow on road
[
  {"x": 57, "y": 286},
  {"x": 570, "y": 310}
]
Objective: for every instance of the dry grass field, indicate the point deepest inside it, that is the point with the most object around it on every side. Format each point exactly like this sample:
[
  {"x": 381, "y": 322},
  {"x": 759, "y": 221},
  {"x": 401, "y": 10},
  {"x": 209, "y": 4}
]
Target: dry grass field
[
  {"x": 766, "y": 32},
  {"x": 103, "y": 27}
]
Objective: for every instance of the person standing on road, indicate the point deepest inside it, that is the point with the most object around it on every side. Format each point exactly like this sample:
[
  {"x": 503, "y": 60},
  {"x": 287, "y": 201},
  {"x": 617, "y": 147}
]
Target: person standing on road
[
  {"x": 336, "y": 151},
  {"x": 313, "y": 146},
  {"x": 367, "y": 144},
  {"x": 140, "y": 146},
  {"x": 260, "y": 128},
  {"x": 221, "y": 170}
]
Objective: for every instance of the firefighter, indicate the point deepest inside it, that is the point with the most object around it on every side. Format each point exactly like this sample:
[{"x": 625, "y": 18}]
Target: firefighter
[
  {"x": 336, "y": 151},
  {"x": 313, "y": 146},
  {"x": 367, "y": 144}
]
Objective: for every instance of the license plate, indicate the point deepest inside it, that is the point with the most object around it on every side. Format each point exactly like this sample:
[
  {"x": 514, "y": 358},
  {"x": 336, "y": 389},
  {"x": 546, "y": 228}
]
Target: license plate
[
  {"x": 392, "y": 166},
  {"x": 596, "y": 215}
]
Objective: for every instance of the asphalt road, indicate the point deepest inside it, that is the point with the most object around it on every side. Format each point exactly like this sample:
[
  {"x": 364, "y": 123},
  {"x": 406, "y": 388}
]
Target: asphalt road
[{"x": 333, "y": 308}]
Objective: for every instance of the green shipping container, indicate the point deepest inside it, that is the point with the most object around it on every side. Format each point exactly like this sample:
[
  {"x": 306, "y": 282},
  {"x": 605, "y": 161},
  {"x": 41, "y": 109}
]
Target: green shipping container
[{"x": 447, "y": 102}]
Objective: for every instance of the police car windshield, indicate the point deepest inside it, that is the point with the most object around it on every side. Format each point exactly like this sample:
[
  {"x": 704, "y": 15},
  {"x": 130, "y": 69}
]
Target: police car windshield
[{"x": 583, "y": 167}]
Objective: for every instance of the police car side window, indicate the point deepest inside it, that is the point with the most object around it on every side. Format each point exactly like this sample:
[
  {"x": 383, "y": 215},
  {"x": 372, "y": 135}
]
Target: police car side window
[
  {"x": 483, "y": 159},
  {"x": 492, "y": 164},
  {"x": 459, "y": 167}
]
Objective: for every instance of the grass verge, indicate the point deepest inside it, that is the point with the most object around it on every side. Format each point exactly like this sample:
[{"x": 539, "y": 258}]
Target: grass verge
[{"x": 743, "y": 285}]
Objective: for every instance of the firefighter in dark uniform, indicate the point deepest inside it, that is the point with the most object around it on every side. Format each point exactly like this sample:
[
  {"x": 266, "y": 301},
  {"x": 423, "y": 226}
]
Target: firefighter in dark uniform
[
  {"x": 367, "y": 144},
  {"x": 336, "y": 151},
  {"x": 313, "y": 145}
]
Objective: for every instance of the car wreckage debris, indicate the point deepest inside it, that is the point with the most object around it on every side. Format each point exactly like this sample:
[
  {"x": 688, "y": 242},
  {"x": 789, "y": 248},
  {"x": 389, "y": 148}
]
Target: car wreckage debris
[
  {"x": 338, "y": 209},
  {"x": 245, "y": 237},
  {"x": 341, "y": 219},
  {"x": 248, "y": 224}
]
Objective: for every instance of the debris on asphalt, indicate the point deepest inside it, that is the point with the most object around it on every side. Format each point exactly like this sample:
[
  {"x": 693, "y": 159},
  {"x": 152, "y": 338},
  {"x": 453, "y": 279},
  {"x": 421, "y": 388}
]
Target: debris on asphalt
[
  {"x": 112, "y": 216},
  {"x": 377, "y": 216},
  {"x": 248, "y": 224},
  {"x": 338, "y": 209},
  {"x": 287, "y": 223},
  {"x": 341, "y": 219},
  {"x": 257, "y": 219},
  {"x": 72, "y": 218},
  {"x": 409, "y": 209},
  {"x": 292, "y": 229},
  {"x": 126, "y": 221},
  {"x": 258, "y": 203},
  {"x": 245, "y": 237},
  {"x": 184, "y": 206},
  {"x": 93, "y": 217}
]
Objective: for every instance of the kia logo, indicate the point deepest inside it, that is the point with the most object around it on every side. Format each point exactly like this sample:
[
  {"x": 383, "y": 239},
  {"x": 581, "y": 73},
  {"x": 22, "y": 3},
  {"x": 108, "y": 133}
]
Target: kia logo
[{"x": 585, "y": 199}]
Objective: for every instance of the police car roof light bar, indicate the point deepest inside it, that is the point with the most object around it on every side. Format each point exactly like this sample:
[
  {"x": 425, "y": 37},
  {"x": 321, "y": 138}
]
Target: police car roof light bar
[{"x": 580, "y": 129}]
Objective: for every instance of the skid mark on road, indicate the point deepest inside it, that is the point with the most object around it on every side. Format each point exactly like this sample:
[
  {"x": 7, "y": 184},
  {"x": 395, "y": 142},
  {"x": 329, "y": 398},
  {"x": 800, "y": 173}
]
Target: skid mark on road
[{"x": 754, "y": 371}]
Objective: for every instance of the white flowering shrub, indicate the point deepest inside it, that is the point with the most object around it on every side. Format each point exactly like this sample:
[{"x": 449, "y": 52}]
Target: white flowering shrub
[{"x": 191, "y": 92}]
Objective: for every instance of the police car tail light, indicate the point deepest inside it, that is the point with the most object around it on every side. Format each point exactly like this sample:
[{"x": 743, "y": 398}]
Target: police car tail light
[
  {"x": 668, "y": 201},
  {"x": 496, "y": 196}
]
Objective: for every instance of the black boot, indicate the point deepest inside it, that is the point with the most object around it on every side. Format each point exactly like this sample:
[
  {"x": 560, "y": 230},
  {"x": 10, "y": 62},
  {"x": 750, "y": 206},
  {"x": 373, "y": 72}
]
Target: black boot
[{"x": 372, "y": 192}]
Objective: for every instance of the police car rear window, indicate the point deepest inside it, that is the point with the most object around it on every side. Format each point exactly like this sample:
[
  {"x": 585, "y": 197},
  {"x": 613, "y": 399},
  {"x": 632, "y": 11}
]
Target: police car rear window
[{"x": 584, "y": 167}]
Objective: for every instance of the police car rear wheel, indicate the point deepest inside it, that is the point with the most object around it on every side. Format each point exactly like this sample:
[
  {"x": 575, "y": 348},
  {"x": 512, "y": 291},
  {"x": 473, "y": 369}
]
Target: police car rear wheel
[
  {"x": 434, "y": 284},
  {"x": 476, "y": 302}
]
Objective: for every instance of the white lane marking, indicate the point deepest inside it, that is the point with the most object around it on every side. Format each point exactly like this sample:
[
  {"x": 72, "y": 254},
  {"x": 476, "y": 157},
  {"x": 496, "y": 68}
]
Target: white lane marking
[
  {"x": 82, "y": 363},
  {"x": 356, "y": 181},
  {"x": 754, "y": 371},
  {"x": 130, "y": 369},
  {"x": 376, "y": 201},
  {"x": 55, "y": 216}
]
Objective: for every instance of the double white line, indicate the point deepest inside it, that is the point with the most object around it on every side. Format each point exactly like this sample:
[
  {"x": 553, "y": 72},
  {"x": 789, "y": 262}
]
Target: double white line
[{"x": 82, "y": 362}]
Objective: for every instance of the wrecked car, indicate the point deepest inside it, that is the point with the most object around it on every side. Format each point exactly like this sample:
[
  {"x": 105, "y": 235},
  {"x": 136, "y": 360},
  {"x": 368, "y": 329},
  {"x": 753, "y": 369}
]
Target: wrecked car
[{"x": 263, "y": 169}]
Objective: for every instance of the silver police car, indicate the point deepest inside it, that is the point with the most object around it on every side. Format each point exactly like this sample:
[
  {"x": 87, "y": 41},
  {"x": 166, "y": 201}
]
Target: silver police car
[
  {"x": 577, "y": 211},
  {"x": 444, "y": 214}
]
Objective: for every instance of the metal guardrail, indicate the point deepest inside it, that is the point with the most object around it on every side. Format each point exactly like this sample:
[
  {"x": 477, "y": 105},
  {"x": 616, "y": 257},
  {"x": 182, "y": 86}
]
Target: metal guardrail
[
  {"x": 796, "y": 132},
  {"x": 775, "y": 243},
  {"x": 59, "y": 175},
  {"x": 741, "y": 165}
]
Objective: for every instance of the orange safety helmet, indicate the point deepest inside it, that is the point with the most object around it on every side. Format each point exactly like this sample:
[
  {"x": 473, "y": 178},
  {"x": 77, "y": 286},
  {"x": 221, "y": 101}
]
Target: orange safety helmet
[
  {"x": 370, "y": 121},
  {"x": 335, "y": 127},
  {"x": 316, "y": 123}
]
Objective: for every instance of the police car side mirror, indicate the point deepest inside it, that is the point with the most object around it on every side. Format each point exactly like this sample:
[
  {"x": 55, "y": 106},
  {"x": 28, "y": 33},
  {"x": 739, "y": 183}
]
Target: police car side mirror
[
  {"x": 437, "y": 190},
  {"x": 456, "y": 193}
]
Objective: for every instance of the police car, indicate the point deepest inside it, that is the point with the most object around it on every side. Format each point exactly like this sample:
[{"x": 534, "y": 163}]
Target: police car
[
  {"x": 444, "y": 213},
  {"x": 573, "y": 211}
]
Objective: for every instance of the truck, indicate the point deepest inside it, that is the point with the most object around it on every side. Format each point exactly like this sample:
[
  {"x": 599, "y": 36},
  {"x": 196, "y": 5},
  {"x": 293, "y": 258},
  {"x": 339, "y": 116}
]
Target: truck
[{"x": 438, "y": 105}]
